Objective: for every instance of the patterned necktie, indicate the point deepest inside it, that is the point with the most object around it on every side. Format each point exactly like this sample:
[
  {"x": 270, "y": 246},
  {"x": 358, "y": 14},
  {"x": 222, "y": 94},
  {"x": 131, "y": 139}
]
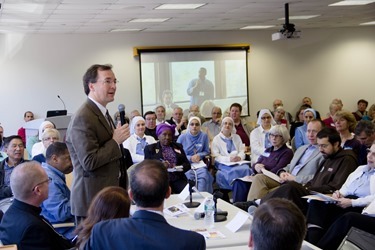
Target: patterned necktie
[
  {"x": 109, "y": 119},
  {"x": 140, "y": 146}
]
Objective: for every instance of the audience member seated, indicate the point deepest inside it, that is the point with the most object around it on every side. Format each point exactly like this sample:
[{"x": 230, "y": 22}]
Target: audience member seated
[
  {"x": 160, "y": 114},
  {"x": 357, "y": 192},
  {"x": 243, "y": 129},
  {"x": 259, "y": 138},
  {"x": 298, "y": 121},
  {"x": 279, "y": 103},
  {"x": 213, "y": 126},
  {"x": 56, "y": 209},
  {"x": 31, "y": 141},
  {"x": 147, "y": 229},
  {"x": 22, "y": 223},
  {"x": 300, "y": 137},
  {"x": 197, "y": 147},
  {"x": 228, "y": 150},
  {"x": 49, "y": 136},
  {"x": 308, "y": 101},
  {"x": 273, "y": 159},
  {"x": 371, "y": 114},
  {"x": 110, "y": 203},
  {"x": 330, "y": 176},
  {"x": 345, "y": 124},
  {"x": 3, "y": 155},
  {"x": 194, "y": 111},
  {"x": 361, "y": 109},
  {"x": 302, "y": 168},
  {"x": 278, "y": 116},
  {"x": 150, "y": 122},
  {"x": 178, "y": 120},
  {"x": 138, "y": 141},
  {"x": 117, "y": 118},
  {"x": 333, "y": 108},
  {"x": 340, "y": 228},
  {"x": 365, "y": 132},
  {"x": 133, "y": 114},
  {"x": 28, "y": 116},
  {"x": 277, "y": 225},
  {"x": 206, "y": 108},
  {"x": 171, "y": 154},
  {"x": 14, "y": 148}
]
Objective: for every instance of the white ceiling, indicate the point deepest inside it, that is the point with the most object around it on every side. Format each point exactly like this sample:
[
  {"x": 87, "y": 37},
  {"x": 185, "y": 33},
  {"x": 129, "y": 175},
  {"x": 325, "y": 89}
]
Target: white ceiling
[{"x": 102, "y": 16}]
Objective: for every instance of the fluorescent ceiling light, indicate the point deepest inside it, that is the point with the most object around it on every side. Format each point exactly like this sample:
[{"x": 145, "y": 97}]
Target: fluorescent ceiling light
[
  {"x": 352, "y": 2},
  {"x": 368, "y": 23},
  {"x": 257, "y": 27},
  {"x": 300, "y": 17},
  {"x": 148, "y": 20},
  {"x": 180, "y": 6},
  {"x": 125, "y": 30}
]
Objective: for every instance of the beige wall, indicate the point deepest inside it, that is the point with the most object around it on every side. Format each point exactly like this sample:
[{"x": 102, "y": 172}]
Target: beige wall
[{"x": 324, "y": 64}]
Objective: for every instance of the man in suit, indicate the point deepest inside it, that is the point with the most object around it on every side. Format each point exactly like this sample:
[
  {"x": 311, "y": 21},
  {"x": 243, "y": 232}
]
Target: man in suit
[
  {"x": 93, "y": 140},
  {"x": 22, "y": 223},
  {"x": 147, "y": 229},
  {"x": 301, "y": 169}
]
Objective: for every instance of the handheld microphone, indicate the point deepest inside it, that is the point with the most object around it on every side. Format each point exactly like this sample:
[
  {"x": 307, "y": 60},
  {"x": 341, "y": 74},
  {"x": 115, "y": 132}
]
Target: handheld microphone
[
  {"x": 62, "y": 101},
  {"x": 121, "y": 110}
]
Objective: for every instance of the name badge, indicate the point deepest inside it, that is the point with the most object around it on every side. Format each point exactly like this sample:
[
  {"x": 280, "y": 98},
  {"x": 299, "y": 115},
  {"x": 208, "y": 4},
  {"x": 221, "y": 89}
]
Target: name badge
[
  {"x": 201, "y": 93},
  {"x": 266, "y": 154},
  {"x": 330, "y": 169},
  {"x": 177, "y": 151}
]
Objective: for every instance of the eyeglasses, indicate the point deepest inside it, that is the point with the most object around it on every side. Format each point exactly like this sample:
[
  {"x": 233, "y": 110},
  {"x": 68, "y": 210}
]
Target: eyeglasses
[
  {"x": 194, "y": 124},
  {"x": 216, "y": 113},
  {"x": 40, "y": 183},
  {"x": 109, "y": 82},
  {"x": 265, "y": 117},
  {"x": 50, "y": 139},
  {"x": 276, "y": 136},
  {"x": 14, "y": 146}
]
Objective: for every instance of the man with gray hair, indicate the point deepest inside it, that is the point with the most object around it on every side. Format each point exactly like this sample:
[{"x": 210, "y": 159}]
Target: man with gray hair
[
  {"x": 213, "y": 125},
  {"x": 22, "y": 223}
]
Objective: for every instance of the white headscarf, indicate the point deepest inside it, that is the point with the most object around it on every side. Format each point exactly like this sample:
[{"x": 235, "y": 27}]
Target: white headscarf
[
  {"x": 231, "y": 120},
  {"x": 42, "y": 127},
  {"x": 191, "y": 119},
  {"x": 135, "y": 120},
  {"x": 261, "y": 113}
]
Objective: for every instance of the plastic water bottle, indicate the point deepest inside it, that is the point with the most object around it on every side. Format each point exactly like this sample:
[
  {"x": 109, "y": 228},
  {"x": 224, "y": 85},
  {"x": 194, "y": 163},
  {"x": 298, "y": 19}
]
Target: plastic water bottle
[{"x": 209, "y": 212}]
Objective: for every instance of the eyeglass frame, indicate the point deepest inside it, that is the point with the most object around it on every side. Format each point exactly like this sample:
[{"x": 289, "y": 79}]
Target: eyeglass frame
[{"x": 40, "y": 183}]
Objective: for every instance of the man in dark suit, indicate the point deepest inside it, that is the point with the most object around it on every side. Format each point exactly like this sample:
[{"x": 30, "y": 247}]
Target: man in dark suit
[
  {"x": 93, "y": 140},
  {"x": 147, "y": 229},
  {"x": 22, "y": 223}
]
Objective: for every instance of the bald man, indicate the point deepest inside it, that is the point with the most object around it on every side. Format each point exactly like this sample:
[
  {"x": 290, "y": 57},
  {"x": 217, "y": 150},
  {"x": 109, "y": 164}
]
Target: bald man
[{"x": 22, "y": 223}]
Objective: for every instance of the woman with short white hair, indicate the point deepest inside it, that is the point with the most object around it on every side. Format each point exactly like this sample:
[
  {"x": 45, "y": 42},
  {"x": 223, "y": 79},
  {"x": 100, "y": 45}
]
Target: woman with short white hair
[{"x": 49, "y": 136}]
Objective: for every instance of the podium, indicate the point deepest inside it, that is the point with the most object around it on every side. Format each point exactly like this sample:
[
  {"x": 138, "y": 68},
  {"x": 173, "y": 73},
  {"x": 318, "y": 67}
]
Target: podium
[{"x": 61, "y": 123}]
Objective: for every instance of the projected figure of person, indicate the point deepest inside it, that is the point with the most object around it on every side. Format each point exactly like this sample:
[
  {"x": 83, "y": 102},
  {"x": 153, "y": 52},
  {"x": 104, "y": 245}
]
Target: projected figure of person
[
  {"x": 167, "y": 102},
  {"x": 200, "y": 89}
]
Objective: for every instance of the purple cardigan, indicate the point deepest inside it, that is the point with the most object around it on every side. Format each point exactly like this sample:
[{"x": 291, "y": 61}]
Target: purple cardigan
[{"x": 276, "y": 159}]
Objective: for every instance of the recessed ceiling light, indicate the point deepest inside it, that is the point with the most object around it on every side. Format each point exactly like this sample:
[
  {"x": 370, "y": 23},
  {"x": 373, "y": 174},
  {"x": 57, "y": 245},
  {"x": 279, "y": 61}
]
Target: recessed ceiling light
[
  {"x": 368, "y": 23},
  {"x": 257, "y": 27},
  {"x": 124, "y": 30},
  {"x": 299, "y": 17},
  {"x": 148, "y": 20},
  {"x": 352, "y": 2},
  {"x": 180, "y": 6}
]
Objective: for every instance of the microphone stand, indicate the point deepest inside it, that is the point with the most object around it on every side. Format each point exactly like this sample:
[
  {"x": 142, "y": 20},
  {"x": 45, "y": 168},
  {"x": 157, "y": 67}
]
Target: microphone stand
[
  {"x": 219, "y": 216},
  {"x": 191, "y": 203}
]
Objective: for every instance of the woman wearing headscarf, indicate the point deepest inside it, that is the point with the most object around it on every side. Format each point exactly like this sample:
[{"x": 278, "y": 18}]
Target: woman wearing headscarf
[
  {"x": 300, "y": 138},
  {"x": 196, "y": 146},
  {"x": 34, "y": 145},
  {"x": 227, "y": 148},
  {"x": 171, "y": 154},
  {"x": 137, "y": 142},
  {"x": 259, "y": 139}
]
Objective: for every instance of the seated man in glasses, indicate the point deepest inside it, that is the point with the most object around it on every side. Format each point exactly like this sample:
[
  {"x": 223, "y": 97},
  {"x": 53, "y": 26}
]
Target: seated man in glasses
[{"x": 22, "y": 223}]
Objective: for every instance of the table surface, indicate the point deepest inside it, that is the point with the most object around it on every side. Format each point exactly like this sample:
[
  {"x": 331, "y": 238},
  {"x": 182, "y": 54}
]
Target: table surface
[{"x": 187, "y": 221}]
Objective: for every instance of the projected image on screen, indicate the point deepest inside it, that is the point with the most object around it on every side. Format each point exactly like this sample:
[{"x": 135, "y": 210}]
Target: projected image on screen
[{"x": 204, "y": 78}]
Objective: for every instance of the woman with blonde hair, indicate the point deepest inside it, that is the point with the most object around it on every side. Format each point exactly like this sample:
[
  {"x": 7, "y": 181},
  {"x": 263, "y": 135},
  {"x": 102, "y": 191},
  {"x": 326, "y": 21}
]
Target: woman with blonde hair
[{"x": 110, "y": 203}]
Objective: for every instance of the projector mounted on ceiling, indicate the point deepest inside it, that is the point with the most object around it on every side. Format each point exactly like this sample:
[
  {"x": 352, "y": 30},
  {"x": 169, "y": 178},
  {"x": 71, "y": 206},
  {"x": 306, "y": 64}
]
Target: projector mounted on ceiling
[{"x": 288, "y": 31}]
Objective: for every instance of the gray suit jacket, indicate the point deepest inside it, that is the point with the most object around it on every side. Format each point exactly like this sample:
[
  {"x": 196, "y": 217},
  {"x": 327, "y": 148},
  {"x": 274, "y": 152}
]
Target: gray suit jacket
[
  {"x": 95, "y": 156},
  {"x": 309, "y": 168}
]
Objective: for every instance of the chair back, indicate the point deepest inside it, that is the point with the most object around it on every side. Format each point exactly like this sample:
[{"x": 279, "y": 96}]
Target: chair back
[{"x": 357, "y": 239}]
